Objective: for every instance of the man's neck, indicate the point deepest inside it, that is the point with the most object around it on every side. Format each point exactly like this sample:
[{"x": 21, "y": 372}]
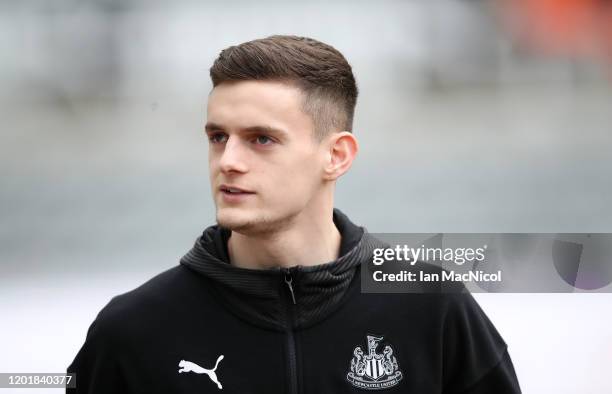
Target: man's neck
[{"x": 308, "y": 241}]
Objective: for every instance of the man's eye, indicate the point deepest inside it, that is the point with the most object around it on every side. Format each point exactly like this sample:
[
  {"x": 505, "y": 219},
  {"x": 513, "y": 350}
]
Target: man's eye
[
  {"x": 217, "y": 138},
  {"x": 263, "y": 140}
]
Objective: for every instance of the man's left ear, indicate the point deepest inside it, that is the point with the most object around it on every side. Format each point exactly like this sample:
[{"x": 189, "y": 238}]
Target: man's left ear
[{"x": 342, "y": 149}]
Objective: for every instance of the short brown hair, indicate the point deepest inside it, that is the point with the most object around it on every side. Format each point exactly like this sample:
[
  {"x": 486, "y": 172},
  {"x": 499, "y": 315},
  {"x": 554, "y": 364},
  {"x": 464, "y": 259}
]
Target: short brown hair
[{"x": 319, "y": 70}]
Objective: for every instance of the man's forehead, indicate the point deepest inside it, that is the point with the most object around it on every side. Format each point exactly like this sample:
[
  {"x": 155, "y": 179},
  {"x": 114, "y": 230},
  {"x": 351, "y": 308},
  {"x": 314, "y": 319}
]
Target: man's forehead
[
  {"x": 249, "y": 104},
  {"x": 249, "y": 89}
]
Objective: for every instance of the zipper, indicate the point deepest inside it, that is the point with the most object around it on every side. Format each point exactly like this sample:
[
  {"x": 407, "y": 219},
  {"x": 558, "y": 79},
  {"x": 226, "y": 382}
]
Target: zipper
[
  {"x": 291, "y": 349},
  {"x": 289, "y": 283}
]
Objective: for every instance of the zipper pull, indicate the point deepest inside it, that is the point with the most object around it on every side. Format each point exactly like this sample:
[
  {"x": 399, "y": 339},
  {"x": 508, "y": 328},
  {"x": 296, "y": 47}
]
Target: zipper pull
[{"x": 289, "y": 281}]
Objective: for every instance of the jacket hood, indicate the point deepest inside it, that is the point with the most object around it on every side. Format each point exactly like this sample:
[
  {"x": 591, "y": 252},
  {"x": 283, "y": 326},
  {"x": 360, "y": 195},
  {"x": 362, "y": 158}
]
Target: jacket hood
[{"x": 263, "y": 296}]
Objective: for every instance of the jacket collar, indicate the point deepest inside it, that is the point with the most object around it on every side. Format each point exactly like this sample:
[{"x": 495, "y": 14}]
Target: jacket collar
[{"x": 263, "y": 296}]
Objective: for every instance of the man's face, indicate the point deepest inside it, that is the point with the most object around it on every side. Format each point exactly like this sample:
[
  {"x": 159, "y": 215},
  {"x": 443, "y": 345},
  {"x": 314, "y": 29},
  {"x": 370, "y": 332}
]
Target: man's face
[{"x": 265, "y": 165}]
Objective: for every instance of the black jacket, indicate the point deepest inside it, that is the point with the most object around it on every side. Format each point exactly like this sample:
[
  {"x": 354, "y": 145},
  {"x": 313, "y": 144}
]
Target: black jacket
[{"x": 206, "y": 326}]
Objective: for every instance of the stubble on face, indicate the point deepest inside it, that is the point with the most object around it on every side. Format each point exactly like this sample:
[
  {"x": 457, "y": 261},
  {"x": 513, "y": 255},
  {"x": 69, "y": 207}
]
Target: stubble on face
[{"x": 258, "y": 225}]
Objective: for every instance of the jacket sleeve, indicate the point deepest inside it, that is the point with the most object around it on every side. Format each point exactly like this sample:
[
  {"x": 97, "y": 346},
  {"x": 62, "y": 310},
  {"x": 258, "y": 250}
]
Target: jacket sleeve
[
  {"x": 475, "y": 357},
  {"x": 96, "y": 364},
  {"x": 500, "y": 380}
]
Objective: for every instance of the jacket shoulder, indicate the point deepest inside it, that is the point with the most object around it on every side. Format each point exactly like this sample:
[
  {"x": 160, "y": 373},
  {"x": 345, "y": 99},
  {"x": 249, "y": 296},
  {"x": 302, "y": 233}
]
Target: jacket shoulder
[
  {"x": 118, "y": 328},
  {"x": 156, "y": 297}
]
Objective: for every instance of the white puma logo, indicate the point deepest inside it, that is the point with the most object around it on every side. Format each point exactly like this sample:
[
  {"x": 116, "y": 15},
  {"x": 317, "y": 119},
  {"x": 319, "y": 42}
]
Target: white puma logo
[{"x": 188, "y": 366}]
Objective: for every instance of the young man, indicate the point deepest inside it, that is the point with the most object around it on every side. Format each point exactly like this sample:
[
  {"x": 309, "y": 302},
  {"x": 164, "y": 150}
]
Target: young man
[{"x": 268, "y": 300}]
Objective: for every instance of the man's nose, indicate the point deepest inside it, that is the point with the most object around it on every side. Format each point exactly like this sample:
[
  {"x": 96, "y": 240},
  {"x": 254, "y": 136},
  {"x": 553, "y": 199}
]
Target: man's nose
[{"x": 233, "y": 156}]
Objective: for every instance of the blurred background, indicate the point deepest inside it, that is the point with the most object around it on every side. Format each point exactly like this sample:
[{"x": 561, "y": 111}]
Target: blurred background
[{"x": 473, "y": 116}]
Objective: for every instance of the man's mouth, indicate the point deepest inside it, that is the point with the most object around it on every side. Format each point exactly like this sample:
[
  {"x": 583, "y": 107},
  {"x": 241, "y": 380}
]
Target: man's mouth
[{"x": 234, "y": 190}]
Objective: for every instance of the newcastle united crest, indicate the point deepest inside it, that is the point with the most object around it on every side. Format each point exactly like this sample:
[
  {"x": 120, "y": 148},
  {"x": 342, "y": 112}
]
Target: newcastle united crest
[{"x": 374, "y": 370}]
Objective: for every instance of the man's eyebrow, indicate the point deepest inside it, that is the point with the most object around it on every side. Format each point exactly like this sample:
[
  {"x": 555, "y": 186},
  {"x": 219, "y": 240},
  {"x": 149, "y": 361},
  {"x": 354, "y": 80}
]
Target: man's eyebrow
[
  {"x": 212, "y": 127},
  {"x": 266, "y": 130}
]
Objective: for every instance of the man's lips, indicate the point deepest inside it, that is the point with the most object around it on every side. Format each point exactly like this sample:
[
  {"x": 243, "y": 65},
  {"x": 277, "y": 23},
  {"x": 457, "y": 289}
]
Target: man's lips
[
  {"x": 231, "y": 189},
  {"x": 231, "y": 194}
]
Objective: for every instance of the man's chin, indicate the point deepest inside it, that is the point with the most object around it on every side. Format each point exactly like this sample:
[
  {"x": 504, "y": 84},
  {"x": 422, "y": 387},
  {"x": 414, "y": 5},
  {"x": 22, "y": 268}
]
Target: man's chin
[
  {"x": 247, "y": 223},
  {"x": 231, "y": 219}
]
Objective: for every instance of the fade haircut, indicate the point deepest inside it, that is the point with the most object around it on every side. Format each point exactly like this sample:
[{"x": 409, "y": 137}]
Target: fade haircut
[{"x": 319, "y": 70}]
